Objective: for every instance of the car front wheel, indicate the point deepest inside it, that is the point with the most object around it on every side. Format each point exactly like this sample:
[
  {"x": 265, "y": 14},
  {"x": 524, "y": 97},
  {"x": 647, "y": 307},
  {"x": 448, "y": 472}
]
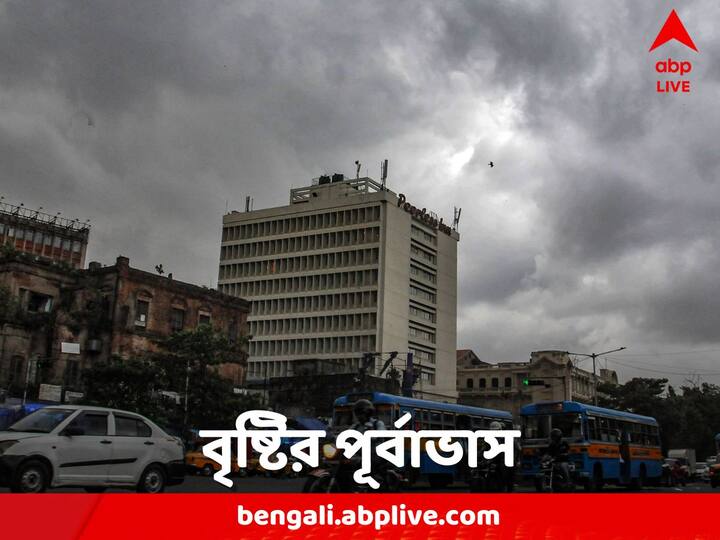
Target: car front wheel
[
  {"x": 152, "y": 480},
  {"x": 31, "y": 477}
]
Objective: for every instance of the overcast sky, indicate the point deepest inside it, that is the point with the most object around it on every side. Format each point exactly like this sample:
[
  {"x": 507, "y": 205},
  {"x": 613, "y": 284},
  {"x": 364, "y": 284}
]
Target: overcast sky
[{"x": 597, "y": 228}]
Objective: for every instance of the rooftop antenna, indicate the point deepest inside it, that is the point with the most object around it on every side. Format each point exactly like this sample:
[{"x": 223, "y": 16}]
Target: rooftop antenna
[
  {"x": 383, "y": 172},
  {"x": 456, "y": 218},
  {"x": 357, "y": 172},
  {"x": 247, "y": 203}
]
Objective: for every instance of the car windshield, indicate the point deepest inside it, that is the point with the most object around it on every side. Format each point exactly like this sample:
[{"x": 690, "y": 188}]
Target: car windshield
[
  {"x": 41, "y": 421},
  {"x": 539, "y": 426}
]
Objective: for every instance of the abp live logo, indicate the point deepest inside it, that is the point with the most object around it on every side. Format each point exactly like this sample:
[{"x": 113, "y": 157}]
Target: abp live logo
[{"x": 673, "y": 29}]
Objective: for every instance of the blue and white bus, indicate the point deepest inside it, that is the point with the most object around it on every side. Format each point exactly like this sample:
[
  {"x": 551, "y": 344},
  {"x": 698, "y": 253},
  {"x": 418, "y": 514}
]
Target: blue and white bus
[
  {"x": 606, "y": 446},
  {"x": 425, "y": 415}
]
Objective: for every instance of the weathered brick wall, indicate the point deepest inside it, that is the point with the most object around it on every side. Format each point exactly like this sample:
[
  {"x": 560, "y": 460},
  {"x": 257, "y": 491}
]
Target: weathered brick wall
[{"x": 117, "y": 289}]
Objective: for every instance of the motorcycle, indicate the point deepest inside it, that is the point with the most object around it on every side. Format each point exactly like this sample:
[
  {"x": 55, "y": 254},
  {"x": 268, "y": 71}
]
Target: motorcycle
[
  {"x": 490, "y": 476},
  {"x": 336, "y": 476},
  {"x": 555, "y": 475}
]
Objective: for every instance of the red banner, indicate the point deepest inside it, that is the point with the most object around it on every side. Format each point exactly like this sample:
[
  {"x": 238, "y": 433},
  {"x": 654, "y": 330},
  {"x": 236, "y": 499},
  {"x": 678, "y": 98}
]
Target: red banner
[{"x": 268, "y": 516}]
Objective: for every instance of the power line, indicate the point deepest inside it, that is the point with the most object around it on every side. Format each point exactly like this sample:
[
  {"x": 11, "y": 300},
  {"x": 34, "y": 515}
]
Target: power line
[
  {"x": 653, "y": 364},
  {"x": 674, "y": 353},
  {"x": 613, "y": 360}
]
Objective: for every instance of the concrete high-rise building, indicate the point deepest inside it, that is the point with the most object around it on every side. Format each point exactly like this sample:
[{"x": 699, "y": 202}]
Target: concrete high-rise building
[{"x": 347, "y": 267}]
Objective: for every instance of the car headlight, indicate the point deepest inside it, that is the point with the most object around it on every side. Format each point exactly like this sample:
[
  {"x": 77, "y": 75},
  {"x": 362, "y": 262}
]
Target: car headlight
[
  {"x": 329, "y": 451},
  {"x": 4, "y": 445}
]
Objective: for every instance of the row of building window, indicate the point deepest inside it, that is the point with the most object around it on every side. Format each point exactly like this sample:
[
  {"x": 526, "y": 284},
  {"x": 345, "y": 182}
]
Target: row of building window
[
  {"x": 427, "y": 377},
  {"x": 308, "y": 346},
  {"x": 418, "y": 272},
  {"x": 316, "y": 282},
  {"x": 307, "y": 304},
  {"x": 422, "y": 356},
  {"x": 262, "y": 369},
  {"x": 482, "y": 383},
  {"x": 296, "y": 244},
  {"x": 311, "y": 222},
  {"x": 422, "y": 294},
  {"x": 339, "y": 259},
  {"x": 177, "y": 319},
  {"x": 38, "y": 238},
  {"x": 426, "y": 314},
  {"x": 18, "y": 373},
  {"x": 330, "y": 323},
  {"x": 423, "y": 255},
  {"x": 422, "y": 235},
  {"x": 418, "y": 333}
]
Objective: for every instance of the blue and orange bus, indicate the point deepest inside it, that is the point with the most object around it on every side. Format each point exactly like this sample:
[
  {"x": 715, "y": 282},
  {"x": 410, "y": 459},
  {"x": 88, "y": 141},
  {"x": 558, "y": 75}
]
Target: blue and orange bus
[
  {"x": 606, "y": 446},
  {"x": 425, "y": 415}
]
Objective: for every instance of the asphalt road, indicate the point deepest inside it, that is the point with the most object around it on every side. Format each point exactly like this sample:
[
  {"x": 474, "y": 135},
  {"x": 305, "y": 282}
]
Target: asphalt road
[{"x": 260, "y": 484}]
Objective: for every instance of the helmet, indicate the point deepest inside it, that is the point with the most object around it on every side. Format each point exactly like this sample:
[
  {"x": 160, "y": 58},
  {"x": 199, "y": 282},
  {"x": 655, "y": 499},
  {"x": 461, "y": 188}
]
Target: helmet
[
  {"x": 363, "y": 410},
  {"x": 495, "y": 425},
  {"x": 556, "y": 435}
]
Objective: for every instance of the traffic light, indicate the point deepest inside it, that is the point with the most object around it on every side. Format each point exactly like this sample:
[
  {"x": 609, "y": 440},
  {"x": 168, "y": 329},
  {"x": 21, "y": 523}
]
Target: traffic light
[{"x": 533, "y": 382}]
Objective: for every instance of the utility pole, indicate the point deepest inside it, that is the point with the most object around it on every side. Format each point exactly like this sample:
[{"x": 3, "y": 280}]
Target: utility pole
[{"x": 594, "y": 357}]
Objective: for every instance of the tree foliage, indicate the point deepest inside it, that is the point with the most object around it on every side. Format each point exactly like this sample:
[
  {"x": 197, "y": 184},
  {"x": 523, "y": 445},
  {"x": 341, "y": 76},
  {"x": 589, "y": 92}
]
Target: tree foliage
[{"x": 145, "y": 385}]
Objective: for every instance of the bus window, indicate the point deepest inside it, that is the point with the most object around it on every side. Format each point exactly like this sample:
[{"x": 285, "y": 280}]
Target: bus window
[
  {"x": 435, "y": 420},
  {"x": 448, "y": 420},
  {"x": 592, "y": 428},
  {"x": 569, "y": 424},
  {"x": 478, "y": 423},
  {"x": 604, "y": 429},
  {"x": 613, "y": 430},
  {"x": 537, "y": 426}
]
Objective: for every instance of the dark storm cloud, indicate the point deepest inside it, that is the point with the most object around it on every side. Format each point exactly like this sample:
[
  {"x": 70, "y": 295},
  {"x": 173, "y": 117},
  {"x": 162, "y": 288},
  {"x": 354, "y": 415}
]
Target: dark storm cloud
[{"x": 596, "y": 226}]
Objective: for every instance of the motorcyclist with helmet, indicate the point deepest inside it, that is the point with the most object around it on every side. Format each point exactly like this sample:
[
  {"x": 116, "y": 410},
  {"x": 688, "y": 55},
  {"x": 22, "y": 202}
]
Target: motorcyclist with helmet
[
  {"x": 559, "y": 451},
  {"x": 365, "y": 417},
  {"x": 365, "y": 420}
]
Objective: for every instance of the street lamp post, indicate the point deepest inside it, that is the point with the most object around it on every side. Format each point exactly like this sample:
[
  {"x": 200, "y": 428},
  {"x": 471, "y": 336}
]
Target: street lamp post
[{"x": 594, "y": 356}]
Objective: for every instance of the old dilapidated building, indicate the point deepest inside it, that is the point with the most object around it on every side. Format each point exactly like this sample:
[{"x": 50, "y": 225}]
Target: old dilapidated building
[{"x": 56, "y": 320}]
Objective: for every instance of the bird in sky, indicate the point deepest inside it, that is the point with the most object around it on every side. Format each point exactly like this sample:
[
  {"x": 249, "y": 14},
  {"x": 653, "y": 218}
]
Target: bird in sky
[{"x": 491, "y": 164}]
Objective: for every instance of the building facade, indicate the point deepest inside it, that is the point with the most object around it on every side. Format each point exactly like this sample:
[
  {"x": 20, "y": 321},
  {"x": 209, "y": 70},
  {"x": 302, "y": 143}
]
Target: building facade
[
  {"x": 500, "y": 386},
  {"x": 347, "y": 267},
  {"x": 43, "y": 235},
  {"x": 56, "y": 321}
]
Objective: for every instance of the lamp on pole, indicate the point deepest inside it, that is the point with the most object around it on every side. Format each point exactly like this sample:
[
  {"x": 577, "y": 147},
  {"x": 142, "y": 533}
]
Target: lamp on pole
[{"x": 594, "y": 356}]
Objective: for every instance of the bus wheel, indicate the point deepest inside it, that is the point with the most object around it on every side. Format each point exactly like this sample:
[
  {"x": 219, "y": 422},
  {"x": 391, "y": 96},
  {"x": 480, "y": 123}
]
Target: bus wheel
[{"x": 439, "y": 481}]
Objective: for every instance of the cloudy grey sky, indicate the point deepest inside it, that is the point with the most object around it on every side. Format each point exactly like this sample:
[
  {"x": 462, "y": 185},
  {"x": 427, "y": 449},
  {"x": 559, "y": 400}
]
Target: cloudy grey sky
[{"x": 597, "y": 228}]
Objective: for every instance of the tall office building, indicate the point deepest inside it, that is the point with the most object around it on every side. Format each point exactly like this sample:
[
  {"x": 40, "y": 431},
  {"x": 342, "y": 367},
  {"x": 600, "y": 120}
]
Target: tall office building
[{"x": 347, "y": 267}]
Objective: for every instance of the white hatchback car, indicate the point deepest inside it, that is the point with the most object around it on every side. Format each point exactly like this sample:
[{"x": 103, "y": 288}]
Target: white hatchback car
[{"x": 90, "y": 447}]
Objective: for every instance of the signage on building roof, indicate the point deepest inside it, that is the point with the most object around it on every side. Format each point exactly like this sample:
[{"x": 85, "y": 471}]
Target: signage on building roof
[{"x": 423, "y": 215}]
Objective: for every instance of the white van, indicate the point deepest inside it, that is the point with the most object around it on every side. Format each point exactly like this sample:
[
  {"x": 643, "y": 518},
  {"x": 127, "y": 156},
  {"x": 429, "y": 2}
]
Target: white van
[{"x": 90, "y": 447}]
